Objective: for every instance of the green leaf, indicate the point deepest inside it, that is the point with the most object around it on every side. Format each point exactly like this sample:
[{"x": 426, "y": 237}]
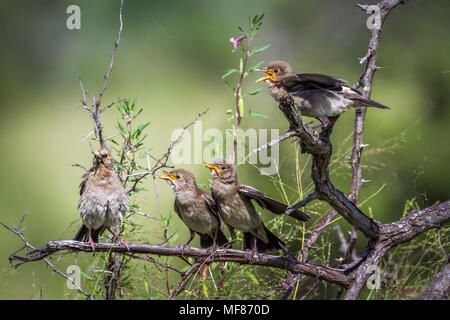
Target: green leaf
[
  {"x": 205, "y": 290},
  {"x": 241, "y": 106},
  {"x": 260, "y": 49},
  {"x": 252, "y": 277},
  {"x": 133, "y": 105},
  {"x": 114, "y": 141},
  {"x": 147, "y": 291},
  {"x": 122, "y": 128},
  {"x": 229, "y": 87},
  {"x": 138, "y": 113},
  {"x": 143, "y": 154},
  {"x": 86, "y": 276},
  {"x": 252, "y": 93},
  {"x": 256, "y": 66},
  {"x": 258, "y": 115},
  {"x": 143, "y": 126},
  {"x": 228, "y": 72},
  {"x": 241, "y": 65}
]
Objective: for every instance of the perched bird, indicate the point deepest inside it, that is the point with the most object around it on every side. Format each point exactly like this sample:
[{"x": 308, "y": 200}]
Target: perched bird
[
  {"x": 236, "y": 209},
  {"x": 315, "y": 95},
  {"x": 103, "y": 200},
  {"x": 196, "y": 208}
]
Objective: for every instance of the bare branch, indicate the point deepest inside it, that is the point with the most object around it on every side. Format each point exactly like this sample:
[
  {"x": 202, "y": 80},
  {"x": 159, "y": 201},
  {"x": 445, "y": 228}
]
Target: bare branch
[
  {"x": 439, "y": 288},
  {"x": 162, "y": 161},
  {"x": 111, "y": 63}
]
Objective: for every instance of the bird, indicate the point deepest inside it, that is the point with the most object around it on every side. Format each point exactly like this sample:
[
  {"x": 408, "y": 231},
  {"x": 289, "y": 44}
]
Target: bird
[
  {"x": 315, "y": 95},
  {"x": 196, "y": 208},
  {"x": 237, "y": 211},
  {"x": 103, "y": 200}
]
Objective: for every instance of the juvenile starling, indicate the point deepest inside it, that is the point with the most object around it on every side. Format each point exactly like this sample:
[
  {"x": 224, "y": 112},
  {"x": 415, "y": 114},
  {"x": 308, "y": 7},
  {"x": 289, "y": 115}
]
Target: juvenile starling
[
  {"x": 237, "y": 211},
  {"x": 315, "y": 95},
  {"x": 103, "y": 200},
  {"x": 196, "y": 208}
]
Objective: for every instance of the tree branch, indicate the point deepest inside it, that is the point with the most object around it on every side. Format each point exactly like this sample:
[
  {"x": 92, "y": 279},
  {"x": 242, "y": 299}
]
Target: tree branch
[{"x": 439, "y": 288}]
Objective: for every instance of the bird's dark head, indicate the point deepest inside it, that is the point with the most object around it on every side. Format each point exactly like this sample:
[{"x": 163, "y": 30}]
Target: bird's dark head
[
  {"x": 223, "y": 171},
  {"x": 180, "y": 179},
  {"x": 277, "y": 72},
  {"x": 103, "y": 156}
]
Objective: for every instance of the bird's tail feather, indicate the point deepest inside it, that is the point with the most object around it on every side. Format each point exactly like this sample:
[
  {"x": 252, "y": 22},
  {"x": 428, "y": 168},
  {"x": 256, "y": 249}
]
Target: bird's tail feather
[
  {"x": 369, "y": 103},
  {"x": 206, "y": 241},
  {"x": 221, "y": 239},
  {"x": 83, "y": 234},
  {"x": 274, "y": 242}
]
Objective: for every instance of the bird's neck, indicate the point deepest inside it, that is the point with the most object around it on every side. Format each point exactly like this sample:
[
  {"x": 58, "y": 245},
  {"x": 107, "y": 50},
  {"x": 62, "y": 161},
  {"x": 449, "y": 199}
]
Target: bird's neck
[
  {"x": 102, "y": 172},
  {"x": 278, "y": 91},
  {"x": 186, "y": 196}
]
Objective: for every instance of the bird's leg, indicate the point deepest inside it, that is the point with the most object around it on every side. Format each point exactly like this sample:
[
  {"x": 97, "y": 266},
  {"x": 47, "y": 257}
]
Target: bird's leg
[
  {"x": 90, "y": 241},
  {"x": 233, "y": 237},
  {"x": 328, "y": 125},
  {"x": 323, "y": 123},
  {"x": 254, "y": 250},
  {"x": 214, "y": 245},
  {"x": 117, "y": 238},
  {"x": 186, "y": 245}
]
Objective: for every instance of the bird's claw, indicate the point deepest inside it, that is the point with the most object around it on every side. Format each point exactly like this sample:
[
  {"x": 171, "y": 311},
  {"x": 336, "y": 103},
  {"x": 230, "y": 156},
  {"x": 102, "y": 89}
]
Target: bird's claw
[
  {"x": 182, "y": 248},
  {"x": 92, "y": 243},
  {"x": 122, "y": 243}
]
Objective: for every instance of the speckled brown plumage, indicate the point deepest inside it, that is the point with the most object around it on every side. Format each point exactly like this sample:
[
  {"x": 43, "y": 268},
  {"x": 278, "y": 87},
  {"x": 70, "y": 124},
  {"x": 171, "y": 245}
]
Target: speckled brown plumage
[
  {"x": 196, "y": 208},
  {"x": 315, "y": 95},
  {"x": 236, "y": 209},
  {"x": 103, "y": 199}
]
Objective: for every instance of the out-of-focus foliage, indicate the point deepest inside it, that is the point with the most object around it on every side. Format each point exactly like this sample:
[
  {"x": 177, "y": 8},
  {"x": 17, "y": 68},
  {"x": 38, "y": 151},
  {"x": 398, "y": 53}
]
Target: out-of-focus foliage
[{"x": 174, "y": 62}]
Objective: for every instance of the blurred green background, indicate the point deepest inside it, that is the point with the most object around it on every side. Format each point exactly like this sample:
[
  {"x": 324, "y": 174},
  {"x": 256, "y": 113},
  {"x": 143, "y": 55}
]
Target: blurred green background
[{"x": 172, "y": 55}]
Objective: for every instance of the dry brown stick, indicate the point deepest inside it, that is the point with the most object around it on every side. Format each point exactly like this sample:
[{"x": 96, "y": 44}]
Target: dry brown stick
[
  {"x": 201, "y": 255},
  {"x": 95, "y": 110},
  {"x": 111, "y": 63},
  {"x": 184, "y": 279},
  {"x": 439, "y": 287},
  {"x": 162, "y": 162}
]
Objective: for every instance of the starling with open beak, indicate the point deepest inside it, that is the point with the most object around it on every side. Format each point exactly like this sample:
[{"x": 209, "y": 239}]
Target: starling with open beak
[
  {"x": 236, "y": 209},
  {"x": 103, "y": 202},
  {"x": 196, "y": 208},
  {"x": 315, "y": 95}
]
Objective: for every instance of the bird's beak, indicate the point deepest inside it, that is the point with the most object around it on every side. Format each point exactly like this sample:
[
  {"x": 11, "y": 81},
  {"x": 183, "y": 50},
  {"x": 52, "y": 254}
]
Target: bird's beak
[
  {"x": 269, "y": 76},
  {"x": 169, "y": 177},
  {"x": 216, "y": 169}
]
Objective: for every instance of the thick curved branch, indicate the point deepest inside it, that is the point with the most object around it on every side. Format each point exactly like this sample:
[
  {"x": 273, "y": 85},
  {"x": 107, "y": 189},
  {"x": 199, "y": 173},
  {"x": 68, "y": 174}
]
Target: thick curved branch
[
  {"x": 439, "y": 288},
  {"x": 394, "y": 234},
  {"x": 200, "y": 255}
]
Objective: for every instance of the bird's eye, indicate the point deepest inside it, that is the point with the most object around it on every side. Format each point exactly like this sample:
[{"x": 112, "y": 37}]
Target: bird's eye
[
  {"x": 223, "y": 167},
  {"x": 104, "y": 155},
  {"x": 178, "y": 177},
  {"x": 276, "y": 70}
]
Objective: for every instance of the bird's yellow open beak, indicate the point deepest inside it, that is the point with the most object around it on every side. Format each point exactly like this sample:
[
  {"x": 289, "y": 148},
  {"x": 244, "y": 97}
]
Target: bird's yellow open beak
[
  {"x": 270, "y": 75},
  {"x": 169, "y": 177},
  {"x": 216, "y": 169}
]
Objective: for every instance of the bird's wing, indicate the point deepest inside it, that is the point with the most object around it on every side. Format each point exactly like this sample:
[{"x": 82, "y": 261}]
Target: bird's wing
[
  {"x": 315, "y": 81},
  {"x": 177, "y": 209},
  {"x": 85, "y": 178},
  {"x": 212, "y": 205},
  {"x": 268, "y": 203}
]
